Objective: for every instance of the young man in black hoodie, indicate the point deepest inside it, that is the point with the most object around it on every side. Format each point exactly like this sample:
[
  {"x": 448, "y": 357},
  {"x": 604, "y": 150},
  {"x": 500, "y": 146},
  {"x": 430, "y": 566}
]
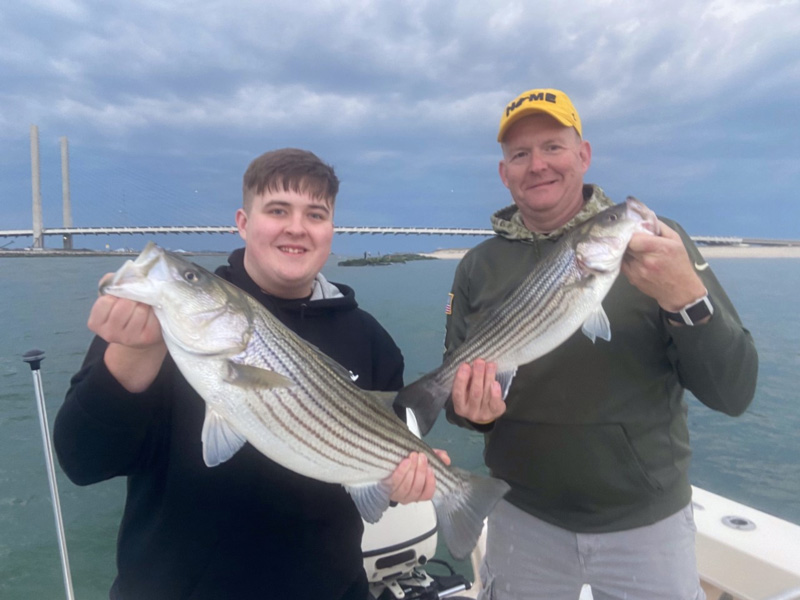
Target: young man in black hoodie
[{"x": 247, "y": 528}]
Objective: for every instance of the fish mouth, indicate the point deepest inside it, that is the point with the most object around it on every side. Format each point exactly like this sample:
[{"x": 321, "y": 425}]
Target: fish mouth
[
  {"x": 133, "y": 271},
  {"x": 646, "y": 218}
]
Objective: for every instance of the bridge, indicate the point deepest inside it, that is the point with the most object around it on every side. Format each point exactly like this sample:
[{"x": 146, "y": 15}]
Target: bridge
[
  {"x": 66, "y": 233},
  {"x": 38, "y": 232}
]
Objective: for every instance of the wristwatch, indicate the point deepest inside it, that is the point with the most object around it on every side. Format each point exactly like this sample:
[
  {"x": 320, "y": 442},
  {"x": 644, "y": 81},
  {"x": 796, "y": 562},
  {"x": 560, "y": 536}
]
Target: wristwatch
[{"x": 693, "y": 312}]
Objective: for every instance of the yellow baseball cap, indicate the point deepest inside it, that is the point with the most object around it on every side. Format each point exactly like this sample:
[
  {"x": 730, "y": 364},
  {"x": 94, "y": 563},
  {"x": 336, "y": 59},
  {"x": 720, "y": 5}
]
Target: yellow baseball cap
[{"x": 552, "y": 102}]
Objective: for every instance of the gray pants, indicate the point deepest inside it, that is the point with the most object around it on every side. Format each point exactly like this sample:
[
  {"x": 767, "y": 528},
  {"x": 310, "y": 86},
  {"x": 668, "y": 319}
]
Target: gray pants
[{"x": 527, "y": 558}]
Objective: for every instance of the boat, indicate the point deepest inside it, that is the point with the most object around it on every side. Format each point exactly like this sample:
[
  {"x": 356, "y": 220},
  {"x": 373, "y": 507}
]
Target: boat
[
  {"x": 397, "y": 549},
  {"x": 742, "y": 553}
]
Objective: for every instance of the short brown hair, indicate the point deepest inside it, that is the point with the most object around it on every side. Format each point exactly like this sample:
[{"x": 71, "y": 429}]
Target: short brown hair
[{"x": 289, "y": 170}]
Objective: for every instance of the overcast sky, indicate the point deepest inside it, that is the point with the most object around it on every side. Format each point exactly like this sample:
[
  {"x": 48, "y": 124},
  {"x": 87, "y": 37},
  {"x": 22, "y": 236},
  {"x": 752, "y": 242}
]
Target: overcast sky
[{"x": 692, "y": 106}]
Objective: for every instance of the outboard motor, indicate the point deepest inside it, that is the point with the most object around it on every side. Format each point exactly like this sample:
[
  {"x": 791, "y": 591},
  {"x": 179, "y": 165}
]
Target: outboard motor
[{"x": 397, "y": 548}]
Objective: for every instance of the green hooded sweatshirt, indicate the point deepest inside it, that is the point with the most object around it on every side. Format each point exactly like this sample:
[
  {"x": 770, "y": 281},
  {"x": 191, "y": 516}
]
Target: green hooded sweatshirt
[{"x": 595, "y": 435}]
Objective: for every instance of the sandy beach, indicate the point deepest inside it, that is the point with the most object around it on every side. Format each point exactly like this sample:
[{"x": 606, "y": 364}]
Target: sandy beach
[
  {"x": 707, "y": 251},
  {"x": 750, "y": 251}
]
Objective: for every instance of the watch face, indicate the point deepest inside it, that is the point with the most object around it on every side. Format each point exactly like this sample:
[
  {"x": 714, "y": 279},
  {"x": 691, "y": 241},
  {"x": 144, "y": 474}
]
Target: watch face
[{"x": 692, "y": 314}]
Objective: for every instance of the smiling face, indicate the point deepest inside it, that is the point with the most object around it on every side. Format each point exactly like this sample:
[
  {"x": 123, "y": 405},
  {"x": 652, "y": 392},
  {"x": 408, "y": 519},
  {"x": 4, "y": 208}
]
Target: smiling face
[
  {"x": 543, "y": 166},
  {"x": 288, "y": 237}
]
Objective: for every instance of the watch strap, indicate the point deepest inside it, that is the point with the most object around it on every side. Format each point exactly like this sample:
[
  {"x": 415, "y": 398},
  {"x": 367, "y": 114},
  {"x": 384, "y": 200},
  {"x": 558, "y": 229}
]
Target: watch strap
[{"x": 693, "y": 312}]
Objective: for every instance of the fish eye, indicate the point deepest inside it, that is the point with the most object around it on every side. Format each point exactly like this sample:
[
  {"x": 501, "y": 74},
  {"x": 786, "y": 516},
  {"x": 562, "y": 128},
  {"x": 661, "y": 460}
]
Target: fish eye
[
  {"x": 612, "y": 217},
  {"x": 191, "y": 276}
]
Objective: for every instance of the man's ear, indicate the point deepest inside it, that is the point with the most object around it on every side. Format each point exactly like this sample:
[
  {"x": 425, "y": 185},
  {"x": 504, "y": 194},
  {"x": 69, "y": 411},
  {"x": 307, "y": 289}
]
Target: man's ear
[
  {"x": 241, "y": 223},
  {"x": 585, "y": 153},
  {"x": 501, "y": 169}
]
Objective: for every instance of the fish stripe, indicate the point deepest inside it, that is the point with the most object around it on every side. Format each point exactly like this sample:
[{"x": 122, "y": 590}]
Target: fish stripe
[
  {"x": 280, "y": 420},
  {"x": 362, "y": 427},
  {"x": 298, "y": 407},
  {"x": 550, "y": 292}
]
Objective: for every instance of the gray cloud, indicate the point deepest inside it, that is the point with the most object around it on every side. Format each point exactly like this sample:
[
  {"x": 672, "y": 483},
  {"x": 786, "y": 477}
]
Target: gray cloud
[{"x": 680, "y": 101}]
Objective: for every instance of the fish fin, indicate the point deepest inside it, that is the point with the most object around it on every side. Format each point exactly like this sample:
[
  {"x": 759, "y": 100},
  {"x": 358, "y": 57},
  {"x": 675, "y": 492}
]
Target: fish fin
[
  {"x": 426, "y": 398},
  {"x": 220, "y": 440},
  {"x": 385, "y": 398},
  {"x": 504, "y": 379},
  {"x": 411, "y": 422},
  {"x": 597, "y": 326},
  {"x": 247, "y": 375},
  {"x": 371, "y": 499},
  {"x": 460, "y": 515}
]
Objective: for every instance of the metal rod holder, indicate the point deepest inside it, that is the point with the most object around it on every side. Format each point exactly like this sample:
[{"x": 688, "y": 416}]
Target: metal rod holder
[{"x": 34, "y": 358}]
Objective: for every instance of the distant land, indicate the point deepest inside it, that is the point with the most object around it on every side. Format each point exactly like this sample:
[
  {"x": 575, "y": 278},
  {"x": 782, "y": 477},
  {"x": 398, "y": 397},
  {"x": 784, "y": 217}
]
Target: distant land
[
  {"x": 383, "y": 259},
  {"x": 750, "y": 251},
  {"x": 732, "y": 251}
]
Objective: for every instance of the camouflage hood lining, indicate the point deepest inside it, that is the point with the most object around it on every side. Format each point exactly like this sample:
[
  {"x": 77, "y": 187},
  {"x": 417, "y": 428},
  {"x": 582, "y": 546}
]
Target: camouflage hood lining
[{"x": 507, "y": 222}]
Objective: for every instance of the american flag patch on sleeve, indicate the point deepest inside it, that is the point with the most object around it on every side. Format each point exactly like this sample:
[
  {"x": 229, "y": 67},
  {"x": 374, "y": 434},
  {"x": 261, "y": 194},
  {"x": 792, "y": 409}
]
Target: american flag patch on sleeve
[{"x": 448, "y": 308}]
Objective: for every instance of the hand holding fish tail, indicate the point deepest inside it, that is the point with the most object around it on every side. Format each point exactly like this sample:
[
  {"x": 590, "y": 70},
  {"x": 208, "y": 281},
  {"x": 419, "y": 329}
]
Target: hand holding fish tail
[
  {"x": 477, "y": 395},
  {"x": 413, "y": 480},
  {"x": 660, "y": 267}
]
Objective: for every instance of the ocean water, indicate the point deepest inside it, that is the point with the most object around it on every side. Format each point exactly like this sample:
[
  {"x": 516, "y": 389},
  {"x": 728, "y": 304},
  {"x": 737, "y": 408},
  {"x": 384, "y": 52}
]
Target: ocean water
[{"x": 752, "y": 459}]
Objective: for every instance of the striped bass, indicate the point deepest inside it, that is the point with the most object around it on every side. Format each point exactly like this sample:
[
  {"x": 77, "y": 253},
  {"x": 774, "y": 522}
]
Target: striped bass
[
  {"x": 265, "y": 385},
  {"x": 562, "y": 293}
]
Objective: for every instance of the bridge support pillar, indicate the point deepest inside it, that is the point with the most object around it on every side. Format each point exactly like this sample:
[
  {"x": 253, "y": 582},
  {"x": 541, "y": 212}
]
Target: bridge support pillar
[
  {"x": 66, "y": 202},
  {"x": 36, "y": 189}
]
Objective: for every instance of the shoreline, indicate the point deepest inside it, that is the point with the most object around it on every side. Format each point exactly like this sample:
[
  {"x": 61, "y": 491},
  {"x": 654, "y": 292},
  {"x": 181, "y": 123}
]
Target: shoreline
[
  {"x": 706, "y": 251},
  {"x": 750, "y": 251}
]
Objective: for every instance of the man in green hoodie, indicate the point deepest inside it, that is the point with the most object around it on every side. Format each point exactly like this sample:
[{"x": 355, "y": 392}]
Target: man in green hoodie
[{"x": 593, "y": 438}]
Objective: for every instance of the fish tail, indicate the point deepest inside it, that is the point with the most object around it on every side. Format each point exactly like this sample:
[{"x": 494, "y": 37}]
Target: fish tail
[
  {"x": 461, "y": 513},
  {"x": 426, "y": 397}
]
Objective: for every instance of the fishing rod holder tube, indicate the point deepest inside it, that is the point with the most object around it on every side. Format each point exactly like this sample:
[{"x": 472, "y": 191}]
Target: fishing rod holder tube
[{"x": 34, "y": 359}]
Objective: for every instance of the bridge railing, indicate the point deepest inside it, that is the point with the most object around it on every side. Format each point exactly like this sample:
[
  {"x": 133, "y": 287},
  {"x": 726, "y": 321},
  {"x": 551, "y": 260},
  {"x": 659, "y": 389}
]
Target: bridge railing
[
  {"x": 68, "y": 232},
  {"x": 226, "y": 229}
]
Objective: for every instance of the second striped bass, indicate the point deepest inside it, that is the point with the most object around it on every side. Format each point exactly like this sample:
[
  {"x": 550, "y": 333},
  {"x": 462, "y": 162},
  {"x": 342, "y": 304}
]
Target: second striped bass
[
  {"x": 263, "y": 384},
  {"x": 563, "y": 292}
]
